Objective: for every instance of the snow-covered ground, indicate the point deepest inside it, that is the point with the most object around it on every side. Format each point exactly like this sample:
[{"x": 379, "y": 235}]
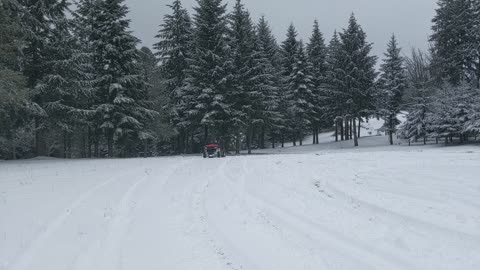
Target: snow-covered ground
[{"x": 312, "y": 207}]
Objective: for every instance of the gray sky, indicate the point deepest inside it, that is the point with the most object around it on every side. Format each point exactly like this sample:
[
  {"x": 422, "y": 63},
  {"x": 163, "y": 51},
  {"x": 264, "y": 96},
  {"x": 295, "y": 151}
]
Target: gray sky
[{"x": 410, "y": 20}]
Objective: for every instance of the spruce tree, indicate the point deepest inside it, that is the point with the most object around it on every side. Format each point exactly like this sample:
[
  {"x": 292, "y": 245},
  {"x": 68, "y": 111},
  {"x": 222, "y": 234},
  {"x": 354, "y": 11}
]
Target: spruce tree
[
  {"x": 317, "y": 54},
  {"x": 450, "y": 114},
  {"x": 243, "y": 96},
  {"x": 38, "y": 19},
  {"x": 174, "y": 53},
  {"x": 357, "y": 73},
  {"x": 419, "y": 96},
  {"x": 121, "y": 110},
  {"x": 268, "y": 42},
  {"x": 301, "y": 95},
  {"x": 269, "y": 50},
  {"x": 64, "y": 87},
  {"x": 473, "y": 49},
  {"x": 289, "y": 50},
  {"x": 15, "y": 106},
  {"x": 333, "y": 99},
  {"x": 451, "y": 39},
  {"x": 392, "y": 84},
  {"x": 209, "y": 73}
]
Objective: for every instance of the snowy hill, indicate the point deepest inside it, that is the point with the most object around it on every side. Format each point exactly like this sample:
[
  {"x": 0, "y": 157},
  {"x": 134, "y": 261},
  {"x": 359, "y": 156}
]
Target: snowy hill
[{"x": 370, "y": 208}]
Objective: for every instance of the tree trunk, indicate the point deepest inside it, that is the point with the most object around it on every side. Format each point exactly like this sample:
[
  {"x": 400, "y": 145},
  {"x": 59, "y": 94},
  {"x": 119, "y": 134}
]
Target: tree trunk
[
  {"x": 352, "y": 128},
  {"x": 283, "y": 140},
  {"x": 40, "y": 144},
  {"x": 14, "y": 152},
  {"x": 355, "y": 138},
  {"x": 109, "y": 134},
  {"x": 192, "y": 140},
  {"x": 336, "y": 130},
  {"x": 145, "y": 148},
  {"x": 341, "y": 129},
  {"x": 262, "y": 137},
  {"x": 237, "y": 144},
  {"x": 347, "y": 137},
  {"x": 359, "y": 127},
  {"x": 89, "y": 141},
  {"x": 205, "y": 135},
  {"x": 249, "y": 140},
  {"x": 64, "y": 145},
  {"x": 317, "y": 135},
  {"x": 273, "y": 140},
  {"x": 390, "y": 131}
]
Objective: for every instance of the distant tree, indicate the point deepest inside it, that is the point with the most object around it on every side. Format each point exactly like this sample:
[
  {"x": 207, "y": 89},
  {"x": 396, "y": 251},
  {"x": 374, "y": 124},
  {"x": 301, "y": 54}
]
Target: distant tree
[
  {"x": 301, "y": 95},
  {"x": 357, "y": 73},
  {"x": 289, "y": 50},
  {"x": 333, "y": 97},
  {"x": 451, "y": 39},
  {"x": 317, "y": 54},
  {"x": 392, "y": 84},
  {"x": 269, "y": 50},
  {"x": 450, "y": 112},
  {"x": 418, "y": 96},
  {"x": 473, "y": 49}
]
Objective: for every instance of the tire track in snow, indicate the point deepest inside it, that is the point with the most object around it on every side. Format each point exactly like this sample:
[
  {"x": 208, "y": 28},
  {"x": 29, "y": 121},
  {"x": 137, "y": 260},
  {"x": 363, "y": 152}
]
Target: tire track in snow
[
  {"x": 110, "y": 248},
  {"x": 24, "y": 259},
  {"x": 233, "y": 258},
  {"x": 339, "y": 243},
  {"x": 392, "y": 215},
  {"x": 112, "y": 258}
]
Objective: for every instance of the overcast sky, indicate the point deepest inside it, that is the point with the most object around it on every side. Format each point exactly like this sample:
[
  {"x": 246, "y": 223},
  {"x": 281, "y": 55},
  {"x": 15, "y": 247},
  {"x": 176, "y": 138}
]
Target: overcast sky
[{"x": 410, "y": 20}]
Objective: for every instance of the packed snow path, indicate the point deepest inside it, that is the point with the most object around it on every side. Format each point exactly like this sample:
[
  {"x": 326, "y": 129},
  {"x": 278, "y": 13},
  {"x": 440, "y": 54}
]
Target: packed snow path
[{"x": 404, "y": 209}]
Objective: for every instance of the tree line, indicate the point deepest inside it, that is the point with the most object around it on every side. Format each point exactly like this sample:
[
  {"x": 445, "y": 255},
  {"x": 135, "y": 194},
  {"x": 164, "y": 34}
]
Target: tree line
[{"x": 74, "y": 83}]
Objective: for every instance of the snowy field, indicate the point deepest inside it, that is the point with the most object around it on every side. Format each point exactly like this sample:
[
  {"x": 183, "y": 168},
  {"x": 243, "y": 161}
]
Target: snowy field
[{"x": 314, "y": 207}]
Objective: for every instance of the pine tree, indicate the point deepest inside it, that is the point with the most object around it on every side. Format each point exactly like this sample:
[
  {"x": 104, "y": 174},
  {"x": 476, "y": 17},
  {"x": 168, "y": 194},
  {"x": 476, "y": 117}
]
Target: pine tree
[
  {"x": 174, "y": 52},
  {"x": 392, "y": 84},
  {"x": 243, "y": 96},
  {"x": 357, "y": 73},
  {"x": 301, "y": 95},
  {"x": 15, "y": 130},
  {"x": 38, "y": 19},
  {"x": 415, "y": 126},
  {"x": 269, "y": 50},
  {"x": 473, "y": 49},
  {"x": 65, "y": 86},
  {"x": 420, "y": 95},
  {"x": 333, "y": 99},
  {"x": 121, "y": 90},
  {"x": 289, "y": 50},
  {"x": 268, "y": 42},
  {"x": 209, "y": 78},
  {"x": 450, "y": 113},
  {"x": 317, "y": 54},
  {"x": 450, "y": 40}
]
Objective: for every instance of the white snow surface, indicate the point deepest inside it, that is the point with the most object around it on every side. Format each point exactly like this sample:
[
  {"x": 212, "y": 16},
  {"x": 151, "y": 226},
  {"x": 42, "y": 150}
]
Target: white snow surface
[{"x": 312, "y": 207}]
